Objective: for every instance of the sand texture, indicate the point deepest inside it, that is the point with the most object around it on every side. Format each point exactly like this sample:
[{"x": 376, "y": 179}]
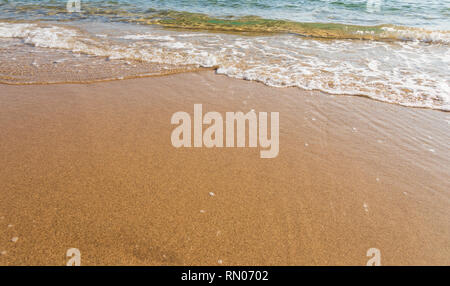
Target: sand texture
[{"x": 91, "y": 166}]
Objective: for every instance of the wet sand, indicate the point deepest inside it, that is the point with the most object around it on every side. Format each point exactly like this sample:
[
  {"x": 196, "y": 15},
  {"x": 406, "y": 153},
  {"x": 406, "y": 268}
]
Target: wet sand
[{"x": 91, "y": 166}]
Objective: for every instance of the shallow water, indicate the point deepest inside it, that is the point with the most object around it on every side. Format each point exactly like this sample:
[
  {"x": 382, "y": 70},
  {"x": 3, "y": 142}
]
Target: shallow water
[
  {"x": 396, "y": 52},
  {"x": 415, "y": 13}
]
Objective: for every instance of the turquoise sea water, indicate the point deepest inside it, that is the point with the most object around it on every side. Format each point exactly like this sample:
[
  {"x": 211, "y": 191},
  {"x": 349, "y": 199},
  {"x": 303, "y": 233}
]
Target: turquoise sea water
[
  {"x": 415, "y": 13},
  {"x": 396, "y": 51}
]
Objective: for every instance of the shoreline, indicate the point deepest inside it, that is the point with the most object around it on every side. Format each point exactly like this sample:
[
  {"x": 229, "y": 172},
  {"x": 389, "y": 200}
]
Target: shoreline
[
  {"x": 91, "y": 166},
  {"x": 84, "y": 52},
  {"x": 214, "y": 69}
]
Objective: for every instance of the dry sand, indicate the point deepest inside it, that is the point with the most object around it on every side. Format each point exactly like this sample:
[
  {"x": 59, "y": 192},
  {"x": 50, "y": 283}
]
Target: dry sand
[{"x": 91, "y": 166}]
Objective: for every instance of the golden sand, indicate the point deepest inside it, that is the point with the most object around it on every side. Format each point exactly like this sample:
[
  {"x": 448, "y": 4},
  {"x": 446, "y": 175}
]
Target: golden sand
[{"x": 91, "y": 166}]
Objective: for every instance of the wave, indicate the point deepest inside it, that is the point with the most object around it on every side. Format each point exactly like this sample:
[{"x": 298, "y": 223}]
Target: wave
[
  {"x": 407, "y": 73},
  {"x": 257, "y": 25},
  {"x": 251, "y": 25}
]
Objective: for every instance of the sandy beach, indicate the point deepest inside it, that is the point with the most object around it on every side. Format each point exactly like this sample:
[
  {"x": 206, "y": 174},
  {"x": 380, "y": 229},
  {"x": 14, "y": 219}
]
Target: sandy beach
[{"x": 91, "y": 166}]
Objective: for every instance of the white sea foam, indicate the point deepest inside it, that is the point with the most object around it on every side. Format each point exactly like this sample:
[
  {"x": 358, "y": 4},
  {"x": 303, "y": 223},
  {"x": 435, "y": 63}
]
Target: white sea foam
[
  {"x": 147, "y": 37},
  {"x": 408, "y": 73},
  {"x": 416, "y": 34}
]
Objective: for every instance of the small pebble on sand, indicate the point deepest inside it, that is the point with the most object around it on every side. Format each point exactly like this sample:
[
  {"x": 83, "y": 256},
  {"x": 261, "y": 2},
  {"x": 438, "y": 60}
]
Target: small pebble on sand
[
  {"x": 220, "y": 261},
  {"x": 366, "y": 207},
  {"x": 14, "y": 239},
  {"x": 212, "y": 194},
  {"x": 202, "y": 211}
]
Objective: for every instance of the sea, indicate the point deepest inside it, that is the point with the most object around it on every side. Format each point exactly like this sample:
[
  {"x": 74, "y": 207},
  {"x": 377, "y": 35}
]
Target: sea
[{"x": 394, "y": 51}]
